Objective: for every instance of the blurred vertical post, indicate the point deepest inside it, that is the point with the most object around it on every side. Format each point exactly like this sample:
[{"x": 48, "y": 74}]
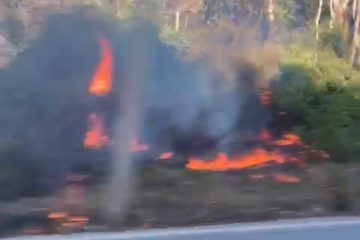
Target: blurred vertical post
[{"x": 129, "y": 117}]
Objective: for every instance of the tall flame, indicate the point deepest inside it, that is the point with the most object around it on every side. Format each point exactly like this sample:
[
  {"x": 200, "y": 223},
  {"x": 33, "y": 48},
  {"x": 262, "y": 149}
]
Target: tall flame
[
  {"x": 288, "y": 139},
  {"x": 223, "y": 163},
  {"x": 101, "y": 82},
  {"x": 95, "y": 138}
]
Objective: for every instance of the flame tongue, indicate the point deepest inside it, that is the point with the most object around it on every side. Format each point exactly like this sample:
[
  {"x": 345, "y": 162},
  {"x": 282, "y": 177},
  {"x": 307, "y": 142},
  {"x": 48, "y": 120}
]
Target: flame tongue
[
  {"x": 101, "y": 82},
  {"x": 166, "y": 155},
  {"x": 288, "y": 139},
  {"x": 100, "y": 85},
  {"x": 95, "y": 138},
  {"x": 222, "y": 162},
  {"x": 265, "y": 97},
  {"x": 257, "y": 157}
]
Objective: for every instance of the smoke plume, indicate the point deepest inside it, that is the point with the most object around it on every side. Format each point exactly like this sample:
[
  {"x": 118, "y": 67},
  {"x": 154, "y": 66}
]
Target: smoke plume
[{"x": 156, "y": 96}]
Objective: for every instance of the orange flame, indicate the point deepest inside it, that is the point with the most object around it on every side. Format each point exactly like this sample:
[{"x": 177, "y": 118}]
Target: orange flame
[
  {"x": 138, "y": 147},
  {"x": 283, "y": 178},
  {"x": 95, "y": 138},
  {"x": 222, "y": 163},
  {"x": 288, "y": 139},
  {"x": 166, "y": 156},
  {"x": 101, "y": 82},
  {"x": 264, "y": 135},
  {"x": 265, "y": 97},
  {"x": 81, "y": 219},
  {"x": 57, "y": 215}
]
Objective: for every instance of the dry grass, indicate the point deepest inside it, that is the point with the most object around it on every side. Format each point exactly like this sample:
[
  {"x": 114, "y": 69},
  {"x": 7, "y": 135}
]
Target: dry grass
[
  {"x": 172, "y": 197},
  {"x": 176, "y": 197}
]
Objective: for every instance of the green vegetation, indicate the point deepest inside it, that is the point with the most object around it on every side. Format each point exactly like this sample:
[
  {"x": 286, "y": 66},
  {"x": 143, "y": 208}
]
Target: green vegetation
[{"x": 321, "y": 99}]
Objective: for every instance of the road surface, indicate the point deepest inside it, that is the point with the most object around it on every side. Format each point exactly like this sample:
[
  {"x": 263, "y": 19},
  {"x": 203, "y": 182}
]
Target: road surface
[{"x": 346, "y": 228}]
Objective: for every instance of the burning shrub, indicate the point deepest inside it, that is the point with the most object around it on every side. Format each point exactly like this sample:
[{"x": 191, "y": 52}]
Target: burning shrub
[
  {"x": 215, "y": 111},
  {"x": 45, "y": 104}
]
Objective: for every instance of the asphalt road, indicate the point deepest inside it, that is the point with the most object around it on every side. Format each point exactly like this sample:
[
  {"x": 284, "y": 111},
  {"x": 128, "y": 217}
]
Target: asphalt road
[{"x": 305, "y": 229}]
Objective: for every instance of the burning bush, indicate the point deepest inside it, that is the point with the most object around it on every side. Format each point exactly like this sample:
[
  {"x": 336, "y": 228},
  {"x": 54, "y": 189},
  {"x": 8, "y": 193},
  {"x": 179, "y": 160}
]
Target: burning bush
[
  {"x": 218, "y": 105},
  {"x": 45, "y": 103},
  {"x": 89, "y": 88}
]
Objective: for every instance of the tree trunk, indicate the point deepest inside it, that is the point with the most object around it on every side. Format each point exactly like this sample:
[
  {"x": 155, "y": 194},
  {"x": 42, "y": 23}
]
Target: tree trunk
[
  {"x": 117, "y": 5},
  {"x": 345, "y": 15},
  {"x": 271, "y": 18},
  {"x": 177, "y": 21},
  {"x": 354, "y": 8},
  {"x": 186, "y": 22},
  {"x": 317, "y": 20},
  {"x": 332, "y": 14},
  {"x": 355, "y": 40},
  {"x": 271, "y": 11}
]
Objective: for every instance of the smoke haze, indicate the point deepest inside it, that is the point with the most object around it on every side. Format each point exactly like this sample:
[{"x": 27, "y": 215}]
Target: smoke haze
[{"x": 156, "y": 97}]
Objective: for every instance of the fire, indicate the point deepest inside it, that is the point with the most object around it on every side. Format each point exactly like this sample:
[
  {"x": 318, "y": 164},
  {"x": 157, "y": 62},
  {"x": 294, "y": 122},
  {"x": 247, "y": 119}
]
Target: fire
[
  {"x": 283, "y": 178},
  {"x": 261, "y": 157},
  {"x": 100, "y": 85},
  {"x": 67, "y": 220},
  {"x": 138, "y": 147},
  {"x": 265, "y": 97},
  {"x": 323, "y": 155},
  {"x": 223, "y": 163},
  {"x": 95, "y": 138},
  {"x": 80, "y": 219},
  {"x": 57, "y": 215},
  {"x": 74, "y": 222},
  {"x": 264, "y": 135},
  {"x": 288, "y": 139},
  {"x": 166, "y": 156},
  {"x": 101, "y": 82}
]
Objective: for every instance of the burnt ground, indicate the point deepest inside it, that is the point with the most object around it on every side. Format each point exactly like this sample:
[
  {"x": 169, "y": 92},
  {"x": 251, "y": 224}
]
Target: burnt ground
[
  {"x": 173, "y": 197},
  {"x": 176, "y": 197}
]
